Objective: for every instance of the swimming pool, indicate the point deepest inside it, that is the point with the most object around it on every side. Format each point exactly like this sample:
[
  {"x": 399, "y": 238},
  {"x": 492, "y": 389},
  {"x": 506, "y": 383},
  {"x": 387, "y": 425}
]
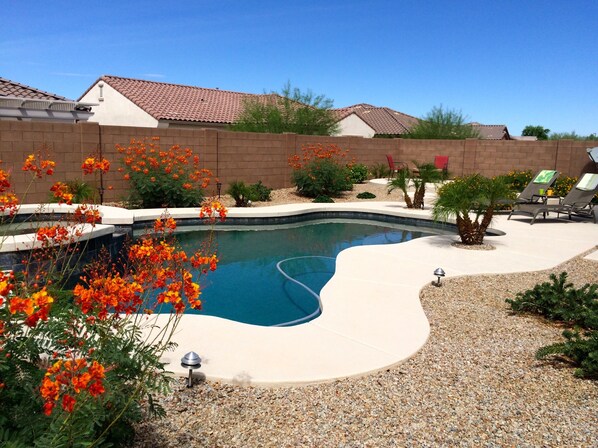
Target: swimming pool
[{"x": 272, "y": 275}]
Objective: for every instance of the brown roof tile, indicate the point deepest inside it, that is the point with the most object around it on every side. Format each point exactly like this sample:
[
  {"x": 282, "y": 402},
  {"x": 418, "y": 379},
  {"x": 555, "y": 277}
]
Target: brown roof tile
[
  {"x": 382, "y": 120},
  {"x": 492, "y": 131},
  {"x": 165, "y": 101},
  {"x": 14, "y": 89}
]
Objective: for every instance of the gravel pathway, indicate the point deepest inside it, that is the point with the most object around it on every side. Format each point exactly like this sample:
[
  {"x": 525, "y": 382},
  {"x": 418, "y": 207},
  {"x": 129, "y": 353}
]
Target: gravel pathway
[{"x": 475, "y": 383}]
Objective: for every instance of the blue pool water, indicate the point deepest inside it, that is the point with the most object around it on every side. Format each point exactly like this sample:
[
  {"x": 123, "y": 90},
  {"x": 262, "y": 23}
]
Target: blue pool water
[{"x": 248, "y": 287}]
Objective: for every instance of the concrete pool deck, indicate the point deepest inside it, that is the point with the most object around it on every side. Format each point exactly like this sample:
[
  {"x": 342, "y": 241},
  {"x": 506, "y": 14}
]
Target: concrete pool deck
[{"x": 372, "y": 317}]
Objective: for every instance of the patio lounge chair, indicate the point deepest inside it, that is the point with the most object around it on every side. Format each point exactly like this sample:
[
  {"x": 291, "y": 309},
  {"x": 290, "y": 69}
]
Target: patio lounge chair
[
  {"x": 543, "y": 180},
  {"x": 578, "y": 201}
]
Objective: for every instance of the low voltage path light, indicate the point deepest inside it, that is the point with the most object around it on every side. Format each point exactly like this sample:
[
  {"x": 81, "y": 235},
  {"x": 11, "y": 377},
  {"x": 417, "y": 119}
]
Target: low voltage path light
[
  {"x": 192, "y": 361},
  {"x": 218, "y": 188},
  {"x": 439, "y": 272}
]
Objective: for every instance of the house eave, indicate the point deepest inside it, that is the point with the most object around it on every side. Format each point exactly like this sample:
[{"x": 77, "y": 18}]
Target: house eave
[{"x": 44, "y": 109}]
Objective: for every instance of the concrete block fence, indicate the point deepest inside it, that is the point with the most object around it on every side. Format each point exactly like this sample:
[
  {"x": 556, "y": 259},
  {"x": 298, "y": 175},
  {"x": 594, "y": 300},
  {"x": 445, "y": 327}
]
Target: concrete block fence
[{"x": 250, "y": 157}]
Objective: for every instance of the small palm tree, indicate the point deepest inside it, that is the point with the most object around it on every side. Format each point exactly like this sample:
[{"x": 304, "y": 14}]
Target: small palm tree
[
  {"x": 472, "y": 200},
  {"x": 428, "y": 173}
]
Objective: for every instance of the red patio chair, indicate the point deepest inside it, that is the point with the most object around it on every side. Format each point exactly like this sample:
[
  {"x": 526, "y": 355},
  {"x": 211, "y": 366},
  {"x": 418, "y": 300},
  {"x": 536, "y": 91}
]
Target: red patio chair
[
  {"x": 441, "y": 164},
  {"x": 394, "y": 166}
]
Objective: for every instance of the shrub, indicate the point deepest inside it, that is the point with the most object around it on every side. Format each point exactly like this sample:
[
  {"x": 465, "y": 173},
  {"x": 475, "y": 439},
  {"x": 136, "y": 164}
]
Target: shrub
[
  {"x": 366, "y": 195},
  {"x": 518, "y": 180},
  {"x": 379, "y": 170},
  {"x": 580, "y": 347},
  {"x": 76, "y": 366},
  {"x": 358, "y": 173},
  {"x": 563, "y": 185},
  {"x": 323, "y": 199},
  {"x": 239, "y": 192},
  {"x": 159, "y": 178},
  {"x": 321, "y": 171},
  {"x": 259, "y": 192},
  {"x": 559, "y": 300},
  {"x": 242, "y": 193}
]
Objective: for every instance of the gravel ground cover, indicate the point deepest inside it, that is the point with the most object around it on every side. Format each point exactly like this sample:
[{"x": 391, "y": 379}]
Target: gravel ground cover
[{"x": 475, "y": 383}]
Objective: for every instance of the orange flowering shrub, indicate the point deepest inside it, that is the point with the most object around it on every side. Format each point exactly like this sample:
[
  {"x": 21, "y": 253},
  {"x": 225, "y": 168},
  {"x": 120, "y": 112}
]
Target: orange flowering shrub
[
  {"x": 163, "y": 178},
  {"x": 69, "y": 379},
  {"x": 319, "y": 151},
  {"x": 321, "y": 170},
  {"x": 69, "y": 354},
  {"x": 91, "y": 165}
]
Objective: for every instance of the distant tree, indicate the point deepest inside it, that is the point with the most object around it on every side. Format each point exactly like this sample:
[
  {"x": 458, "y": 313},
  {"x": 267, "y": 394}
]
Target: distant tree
[
  {"x": 571, "y": 136},
  {"x": 288, "y": 111},
  {"x": 442, "y": 123},
  {"x": 540, "y": 132}
]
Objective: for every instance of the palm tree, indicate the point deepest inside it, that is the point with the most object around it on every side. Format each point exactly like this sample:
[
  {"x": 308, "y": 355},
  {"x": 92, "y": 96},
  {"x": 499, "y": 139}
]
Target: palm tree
[
  {"x": 428, "y": 173},
  {"x": 472, "y": 200}
]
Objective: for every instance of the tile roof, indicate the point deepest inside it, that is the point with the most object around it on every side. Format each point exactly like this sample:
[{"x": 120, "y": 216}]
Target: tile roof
[
  {"x": 14, "y": 89},
  {"x": 166, "y": 101},
  {"x": 382, "y": 120},
  {"x": 492, "y": 131}
]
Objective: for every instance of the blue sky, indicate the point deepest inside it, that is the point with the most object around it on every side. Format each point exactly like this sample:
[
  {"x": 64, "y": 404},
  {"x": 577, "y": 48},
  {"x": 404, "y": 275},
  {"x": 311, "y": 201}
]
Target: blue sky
[{"x": 498, "y": 62}]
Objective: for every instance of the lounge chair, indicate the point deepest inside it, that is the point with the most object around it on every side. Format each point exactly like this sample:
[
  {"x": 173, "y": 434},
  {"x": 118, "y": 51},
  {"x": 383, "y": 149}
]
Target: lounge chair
[
  {"x": 543, "y": 180},
  {"x": 578, "y": 202}
]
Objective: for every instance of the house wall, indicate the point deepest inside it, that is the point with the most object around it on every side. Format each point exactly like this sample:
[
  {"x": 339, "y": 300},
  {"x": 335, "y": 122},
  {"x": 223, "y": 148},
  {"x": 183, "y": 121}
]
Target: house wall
[
  {"x": 352, "y": 125},
  {"x": 116, "y": 109},
  {"x": 251, "y": 157}
]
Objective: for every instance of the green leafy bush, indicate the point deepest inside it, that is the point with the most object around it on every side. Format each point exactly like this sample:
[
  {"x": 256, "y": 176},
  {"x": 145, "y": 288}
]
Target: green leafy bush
[
  {"x": 323, "y": 199},
  {"x": 580, "y": 347},
  {"x": 518, "y": 180},
  {"x": 563, "y": 185},
  {"x": 259, "y": 192},
  {"x": 559, "y": 300},
  {"x": 239, "y": 192},
  {"x": 379, "y": 170},
  {"x": 321, "y": 171},
  {"x": 358, "y": 173},
  {"x": 322, "y": 177},
  {"x": 366, "y": 195},
  {"x": 242, "y": 193}
]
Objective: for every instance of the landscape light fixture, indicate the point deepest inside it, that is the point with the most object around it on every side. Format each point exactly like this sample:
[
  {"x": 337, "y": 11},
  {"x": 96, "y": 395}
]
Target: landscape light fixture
[
  {"x": 439, "y": 272},
  {"x": 218, "y": 188},
  {"x": 192, "y": 361}
]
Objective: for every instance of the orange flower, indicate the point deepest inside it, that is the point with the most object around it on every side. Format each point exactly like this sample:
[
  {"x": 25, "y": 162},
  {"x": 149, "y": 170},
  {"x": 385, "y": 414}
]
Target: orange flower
[
  {"x": 68, "y": 403},
  {"x": 106, "y": 293},
  {"x": 4, "y": 180},
  {"x": 69, "y": 378},
  {"x": 87, "y": 214},
  {"x": 62, "y": 192},
  {"x": 46, "y": 166}
]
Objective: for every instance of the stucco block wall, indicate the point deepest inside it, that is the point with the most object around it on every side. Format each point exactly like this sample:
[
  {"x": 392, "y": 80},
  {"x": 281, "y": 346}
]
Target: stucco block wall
[{"x": 250, "y": 157}]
